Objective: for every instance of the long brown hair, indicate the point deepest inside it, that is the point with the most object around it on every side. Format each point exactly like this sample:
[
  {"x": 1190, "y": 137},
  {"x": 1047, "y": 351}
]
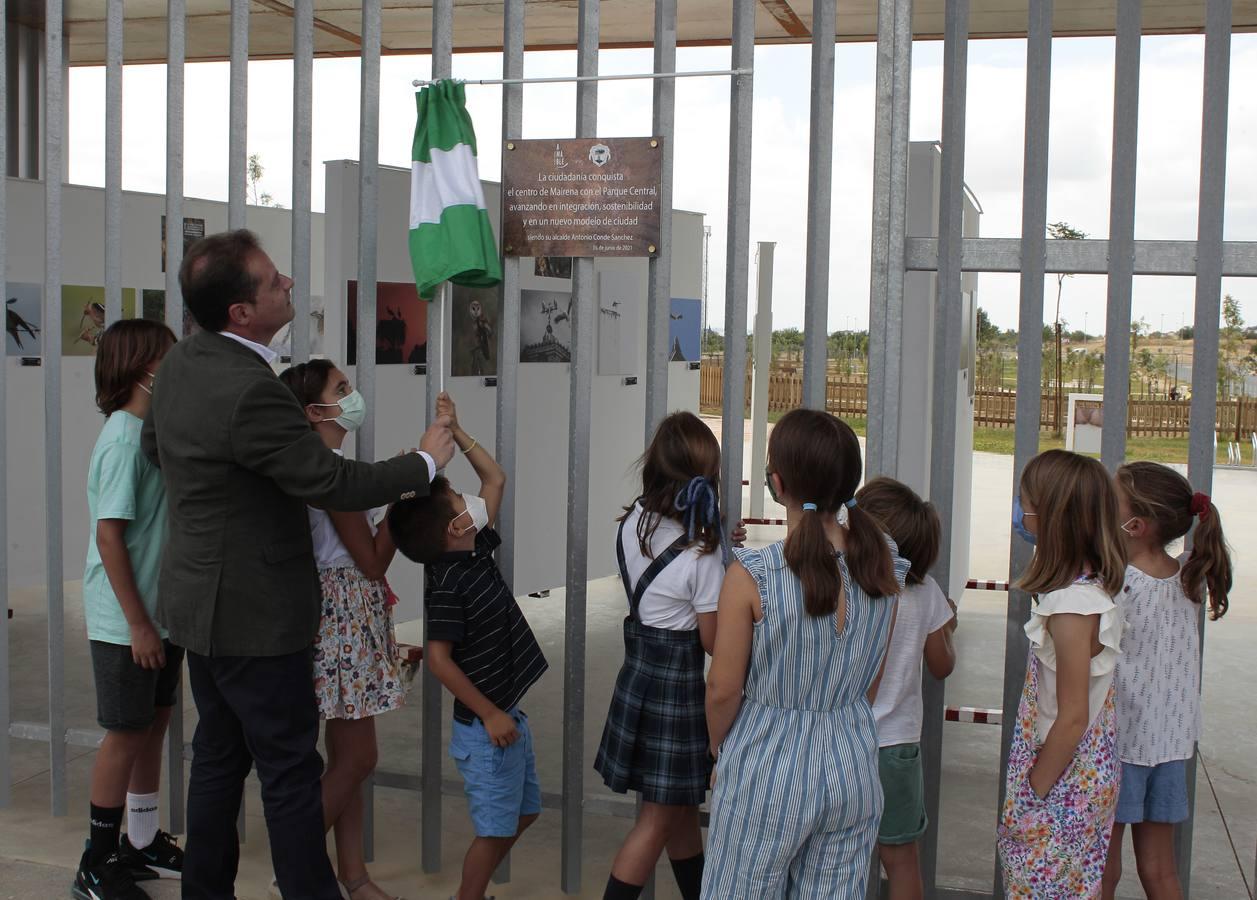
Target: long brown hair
[
  {"x": 817, "y": 458},
  {"x": 124, "y": 353},
  {"x": 1164, "y": 499},
  {"x": 911, "y": 521},
  {"x": 1074, "y": 499},
  {"x": 682, "y": 449}
]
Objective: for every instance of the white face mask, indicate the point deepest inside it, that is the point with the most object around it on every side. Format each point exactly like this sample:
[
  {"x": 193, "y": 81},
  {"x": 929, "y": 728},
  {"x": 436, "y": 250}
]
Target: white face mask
[
  {"x": 1129, "y": 527},
  {"x": 477, "y": 509},
  {"x": 147, "y": 388}
]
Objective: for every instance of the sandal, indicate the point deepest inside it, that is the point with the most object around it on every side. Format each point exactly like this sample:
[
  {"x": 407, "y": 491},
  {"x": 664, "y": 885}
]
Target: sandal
[{"x": 348, "y": 887}]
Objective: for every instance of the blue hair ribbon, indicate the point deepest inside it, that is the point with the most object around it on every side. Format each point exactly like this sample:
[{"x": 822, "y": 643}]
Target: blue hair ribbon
[{"x": 697, "y": 502}]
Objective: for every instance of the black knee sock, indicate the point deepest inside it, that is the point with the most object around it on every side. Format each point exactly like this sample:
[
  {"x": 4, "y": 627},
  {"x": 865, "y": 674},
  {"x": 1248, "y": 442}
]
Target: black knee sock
[
  {"x": 618, "y": 890},
  {"x": 689, "y": 876},
  {"x": 106, "y": 825}
]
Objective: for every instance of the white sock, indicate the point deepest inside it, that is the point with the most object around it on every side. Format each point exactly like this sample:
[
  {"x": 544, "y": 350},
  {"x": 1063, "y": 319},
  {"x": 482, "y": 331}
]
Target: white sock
[{"x": 141, "y": 819}]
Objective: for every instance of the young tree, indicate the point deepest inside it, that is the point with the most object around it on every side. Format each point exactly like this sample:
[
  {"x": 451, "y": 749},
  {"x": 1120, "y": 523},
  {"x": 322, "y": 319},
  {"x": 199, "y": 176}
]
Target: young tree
[
  {"x": 1061, "y": 231},
  {"x": 256, "y": 171},
  {"x": 988, "y": 333}
]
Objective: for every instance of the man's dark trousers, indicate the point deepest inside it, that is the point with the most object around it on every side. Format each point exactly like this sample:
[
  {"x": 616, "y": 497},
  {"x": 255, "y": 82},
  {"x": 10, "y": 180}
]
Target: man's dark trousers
[{"x": 256, "y": 710}]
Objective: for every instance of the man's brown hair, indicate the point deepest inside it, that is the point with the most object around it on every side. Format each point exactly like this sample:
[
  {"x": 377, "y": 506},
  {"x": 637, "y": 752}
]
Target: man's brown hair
[
  {"x": 215, "y": 275},
  {"x": 126, "y": 352},
  {"x": 911, "y": 521}
]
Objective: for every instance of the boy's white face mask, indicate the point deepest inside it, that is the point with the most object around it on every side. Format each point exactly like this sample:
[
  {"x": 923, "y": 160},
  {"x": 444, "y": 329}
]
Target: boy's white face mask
[{"x": 477, "y": 509}]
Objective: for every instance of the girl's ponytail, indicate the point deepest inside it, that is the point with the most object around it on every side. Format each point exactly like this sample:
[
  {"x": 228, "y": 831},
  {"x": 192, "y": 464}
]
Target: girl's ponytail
[
  {"x": 811, "y": 558},
  {"x": 1209, "y": 566},
  {"x": 869, "y": 555}
]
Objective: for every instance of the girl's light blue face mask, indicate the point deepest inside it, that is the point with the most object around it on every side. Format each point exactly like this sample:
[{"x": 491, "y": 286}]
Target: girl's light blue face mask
[{"x": 1019, "y": 522}]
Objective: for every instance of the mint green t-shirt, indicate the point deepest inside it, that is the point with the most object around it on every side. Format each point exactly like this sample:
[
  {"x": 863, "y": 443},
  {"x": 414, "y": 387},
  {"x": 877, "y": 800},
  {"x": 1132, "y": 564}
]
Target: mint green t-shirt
[{"x": 123, "y": 484}]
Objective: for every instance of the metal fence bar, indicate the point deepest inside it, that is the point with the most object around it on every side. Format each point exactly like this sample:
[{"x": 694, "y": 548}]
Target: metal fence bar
[
  {"x": 176, "y": 46},
  {"x": 659, "y": 296},
  {"x": 113, "y": 161},
  {"x": 820, "y": 183},
  {"x": 368, "y": 221},
  {"x": 737, "y": 259},
  {"x": 54, "y": 99},
  {"x": 1200, "y": 449},
  {"x": 6, "y": 709},
  {"x": 947, "y": 357},
  {"x": 890, "y": 209},
  {"x": 431, "y": 755},
  {"x": 1089, "y": 257},
  {"x": 584, "y": 316},
  {"x": 238, "y": 116},
  {"x": 302, "y": 172},
  {"x": 1029, "y": 324},
  {"x": 1121, "y": 233}
]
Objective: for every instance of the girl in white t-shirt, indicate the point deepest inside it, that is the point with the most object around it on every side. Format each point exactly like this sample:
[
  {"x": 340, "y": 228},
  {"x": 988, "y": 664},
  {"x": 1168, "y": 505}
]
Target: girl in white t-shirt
[
  {"x": 922, "y": 633},
  {"x": 655, "y": 739},
  {"x": 356, "y": 670},
  {"x": 1158, "y": 676},
  {"x": 1063, "y": 770}
]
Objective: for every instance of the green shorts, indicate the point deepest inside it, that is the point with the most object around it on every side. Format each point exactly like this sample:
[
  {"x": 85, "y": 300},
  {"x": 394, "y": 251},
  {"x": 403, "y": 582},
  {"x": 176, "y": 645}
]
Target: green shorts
[{"x": 903, "y": 784}]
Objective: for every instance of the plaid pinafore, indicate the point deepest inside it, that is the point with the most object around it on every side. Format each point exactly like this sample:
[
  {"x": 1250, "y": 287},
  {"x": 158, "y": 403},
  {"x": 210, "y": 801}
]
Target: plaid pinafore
[{"x": 655, "y": 739}]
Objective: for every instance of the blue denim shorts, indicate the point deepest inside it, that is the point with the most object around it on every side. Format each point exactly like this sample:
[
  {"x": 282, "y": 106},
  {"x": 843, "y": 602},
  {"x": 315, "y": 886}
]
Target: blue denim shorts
[
  {"x": 1153, "y": 793},
  {"x": 500, "y": 782}
]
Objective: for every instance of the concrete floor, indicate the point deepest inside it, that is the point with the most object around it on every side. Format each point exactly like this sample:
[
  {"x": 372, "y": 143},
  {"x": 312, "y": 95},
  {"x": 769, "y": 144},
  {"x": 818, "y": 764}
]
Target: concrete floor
[{"x": 38, "y": 852}]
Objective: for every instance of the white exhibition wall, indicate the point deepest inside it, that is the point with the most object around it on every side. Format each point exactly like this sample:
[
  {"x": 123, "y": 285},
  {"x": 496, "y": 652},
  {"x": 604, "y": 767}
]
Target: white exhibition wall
[
  {"x": 541, "y": 483},
  {"x": 83, "y": 217}
]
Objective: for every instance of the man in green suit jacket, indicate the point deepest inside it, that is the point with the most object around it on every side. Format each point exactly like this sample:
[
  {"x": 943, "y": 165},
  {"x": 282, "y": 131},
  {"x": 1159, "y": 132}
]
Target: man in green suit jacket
[{"x": 238, "y": 587}]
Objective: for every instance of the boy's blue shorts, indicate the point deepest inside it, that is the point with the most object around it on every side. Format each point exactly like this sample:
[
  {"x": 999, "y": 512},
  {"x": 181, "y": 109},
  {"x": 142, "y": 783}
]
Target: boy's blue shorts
[
  {"x": 500, "y": 782},
  {"x": 1153, "y": 793}
]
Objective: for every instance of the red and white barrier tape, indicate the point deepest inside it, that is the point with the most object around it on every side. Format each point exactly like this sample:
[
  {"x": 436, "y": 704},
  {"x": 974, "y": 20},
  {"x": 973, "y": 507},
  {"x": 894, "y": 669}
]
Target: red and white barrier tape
[
  {"x": 763, "y": 521},
  {"x": 975, "y": 585},
  {"x": 974, "y": 715}
]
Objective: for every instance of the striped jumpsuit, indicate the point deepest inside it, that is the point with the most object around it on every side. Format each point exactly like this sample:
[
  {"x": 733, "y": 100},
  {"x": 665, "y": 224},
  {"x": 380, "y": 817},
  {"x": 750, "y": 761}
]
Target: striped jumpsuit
[{"x": 797, "y": 799}]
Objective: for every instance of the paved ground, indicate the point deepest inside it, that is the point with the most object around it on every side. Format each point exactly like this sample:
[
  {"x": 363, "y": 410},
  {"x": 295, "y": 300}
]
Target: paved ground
[{"x": 38, "y": 851}]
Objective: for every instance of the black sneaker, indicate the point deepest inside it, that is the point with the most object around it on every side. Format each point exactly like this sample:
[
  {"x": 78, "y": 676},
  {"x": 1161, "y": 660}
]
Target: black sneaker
[
  {"x": 161, "y": 859},
  {"x": 110, "y": 880}
]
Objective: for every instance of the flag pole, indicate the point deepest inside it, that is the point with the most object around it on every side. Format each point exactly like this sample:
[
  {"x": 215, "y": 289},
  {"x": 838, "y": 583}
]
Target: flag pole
[{"x": 442, "y": 294}]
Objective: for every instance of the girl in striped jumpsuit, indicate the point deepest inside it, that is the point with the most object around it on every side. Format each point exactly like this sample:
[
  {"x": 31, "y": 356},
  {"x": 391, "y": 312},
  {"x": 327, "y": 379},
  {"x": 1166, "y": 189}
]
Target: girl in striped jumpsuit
[{"x": 802, "y": 630}]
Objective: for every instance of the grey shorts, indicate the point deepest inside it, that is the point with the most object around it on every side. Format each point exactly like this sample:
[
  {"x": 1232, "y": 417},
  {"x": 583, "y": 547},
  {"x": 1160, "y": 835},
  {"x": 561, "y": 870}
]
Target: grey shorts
[{"x": 127, "y": 696}]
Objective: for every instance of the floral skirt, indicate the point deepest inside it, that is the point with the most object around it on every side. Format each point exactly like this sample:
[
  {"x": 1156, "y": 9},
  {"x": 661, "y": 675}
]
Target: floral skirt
[
  {"x": 1056, "y": 847},
  {"x": 356, "y": 671}
]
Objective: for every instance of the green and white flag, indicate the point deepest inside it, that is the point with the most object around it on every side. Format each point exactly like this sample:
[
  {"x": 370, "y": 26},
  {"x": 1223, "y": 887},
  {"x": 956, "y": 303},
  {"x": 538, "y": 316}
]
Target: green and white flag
[{"x": 450, "y": 235}]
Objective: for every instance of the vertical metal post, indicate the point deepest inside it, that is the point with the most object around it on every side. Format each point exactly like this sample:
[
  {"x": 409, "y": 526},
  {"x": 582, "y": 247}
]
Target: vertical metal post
[
  {"x": 1204, "y": 408},
  {"x": 1029, "y": 351},
  {"x": 820, "y": 181},
  {"x": 176, "y": 41},
  {"x": 1121, "y": 233},
  {"x": 737, "y": 259},
  {"x": 430, "y": 750},
  {"x": 113, "y": 161},
  {"x": 761, "y": 372},
  {"x": 368, "y": 221},
  {"x": 6, "y": 711},
  {"x": 659, "y": 296},
  {"x": 947, "y": 343},
  {"x": 890, "y": 212},
  {"x": 584, "y": 315},
  {"x": 54, "y": 97},
  {"x": 238, "y": 116},
  {"x": 302, "y": 171}
]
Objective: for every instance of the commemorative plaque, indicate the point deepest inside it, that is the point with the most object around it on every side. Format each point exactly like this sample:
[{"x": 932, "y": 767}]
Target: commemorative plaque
[{"x": 581, "y": 197}]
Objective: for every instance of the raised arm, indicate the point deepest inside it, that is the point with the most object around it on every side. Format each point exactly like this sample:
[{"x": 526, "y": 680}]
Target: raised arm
[{"x": 492, "y": 476}]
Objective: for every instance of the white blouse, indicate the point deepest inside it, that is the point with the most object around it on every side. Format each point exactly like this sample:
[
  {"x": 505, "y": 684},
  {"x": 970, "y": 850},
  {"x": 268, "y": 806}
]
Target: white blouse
[
  {"x": 1158, "y": 677},
  {"x": 1083, "y": 598}
]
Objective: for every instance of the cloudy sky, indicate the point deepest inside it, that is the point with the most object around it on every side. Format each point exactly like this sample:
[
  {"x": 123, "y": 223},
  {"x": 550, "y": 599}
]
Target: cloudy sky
[{"x": 1080, "y": 148}]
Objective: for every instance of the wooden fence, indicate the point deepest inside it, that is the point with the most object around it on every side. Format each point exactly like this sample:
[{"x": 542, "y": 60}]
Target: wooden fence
[{"x": 847, "y": 396}]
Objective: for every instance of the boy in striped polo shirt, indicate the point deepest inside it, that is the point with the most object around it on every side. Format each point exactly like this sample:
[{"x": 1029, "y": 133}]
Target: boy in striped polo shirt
[{"x": 481, "y": 648}]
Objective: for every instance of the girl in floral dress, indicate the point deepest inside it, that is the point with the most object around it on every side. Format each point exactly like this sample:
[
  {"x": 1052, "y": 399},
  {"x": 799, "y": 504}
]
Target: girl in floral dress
[
  {"x": 356, "y": 670},
  {"x": 1063, "y": 767}
]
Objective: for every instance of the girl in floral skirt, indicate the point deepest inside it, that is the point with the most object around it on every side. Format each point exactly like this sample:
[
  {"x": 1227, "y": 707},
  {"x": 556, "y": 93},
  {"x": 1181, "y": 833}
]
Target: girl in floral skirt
[
  {"x": 356, "y": 671},
  {"x": 1063, "y": 768}
]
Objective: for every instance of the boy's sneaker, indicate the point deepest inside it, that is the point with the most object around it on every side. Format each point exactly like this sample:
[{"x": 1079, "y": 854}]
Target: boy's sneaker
[
  {"x": 161, "y": 859},
  {"x": 110, "y": 880}
]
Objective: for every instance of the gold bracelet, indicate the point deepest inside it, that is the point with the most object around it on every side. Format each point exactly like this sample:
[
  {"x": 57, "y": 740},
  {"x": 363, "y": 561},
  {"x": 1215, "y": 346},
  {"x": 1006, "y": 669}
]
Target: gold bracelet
[{"x": 474, "y": 442}]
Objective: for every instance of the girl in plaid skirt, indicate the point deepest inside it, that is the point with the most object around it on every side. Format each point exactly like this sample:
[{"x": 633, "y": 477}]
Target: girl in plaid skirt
[{"x": 655, "y": 740}]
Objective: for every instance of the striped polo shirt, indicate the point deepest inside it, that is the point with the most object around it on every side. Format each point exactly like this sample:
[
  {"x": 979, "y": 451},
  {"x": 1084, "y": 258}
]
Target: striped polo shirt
[{"x": 468, "y": 603}]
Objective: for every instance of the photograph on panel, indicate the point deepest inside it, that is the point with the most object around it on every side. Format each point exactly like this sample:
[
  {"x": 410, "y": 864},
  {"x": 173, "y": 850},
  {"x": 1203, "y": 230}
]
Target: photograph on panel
[
  {"x": 24, "y": 317},
  {"x": 401, "y": 324},
  {"x": 473, "y": 332},
  {"x": 83, "y": 317},
  {"x": 193, "y": 231},
  {"x": 153, "y": 306},
  {"x": 545, "y": 327},
  {"x": 619, "y": 312},
  {"x": 552, "y": 266},
  {"x": 683, "y": 330}
]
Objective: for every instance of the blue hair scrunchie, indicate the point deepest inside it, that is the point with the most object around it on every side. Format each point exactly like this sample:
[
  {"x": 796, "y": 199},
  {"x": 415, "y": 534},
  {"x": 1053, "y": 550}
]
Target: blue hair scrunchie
[{"x": 697, "y": 502}]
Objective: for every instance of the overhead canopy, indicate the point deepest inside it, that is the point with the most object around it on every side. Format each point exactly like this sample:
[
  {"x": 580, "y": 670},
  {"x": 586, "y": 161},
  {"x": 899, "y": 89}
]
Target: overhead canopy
[{"x": 552, "y": 24}]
